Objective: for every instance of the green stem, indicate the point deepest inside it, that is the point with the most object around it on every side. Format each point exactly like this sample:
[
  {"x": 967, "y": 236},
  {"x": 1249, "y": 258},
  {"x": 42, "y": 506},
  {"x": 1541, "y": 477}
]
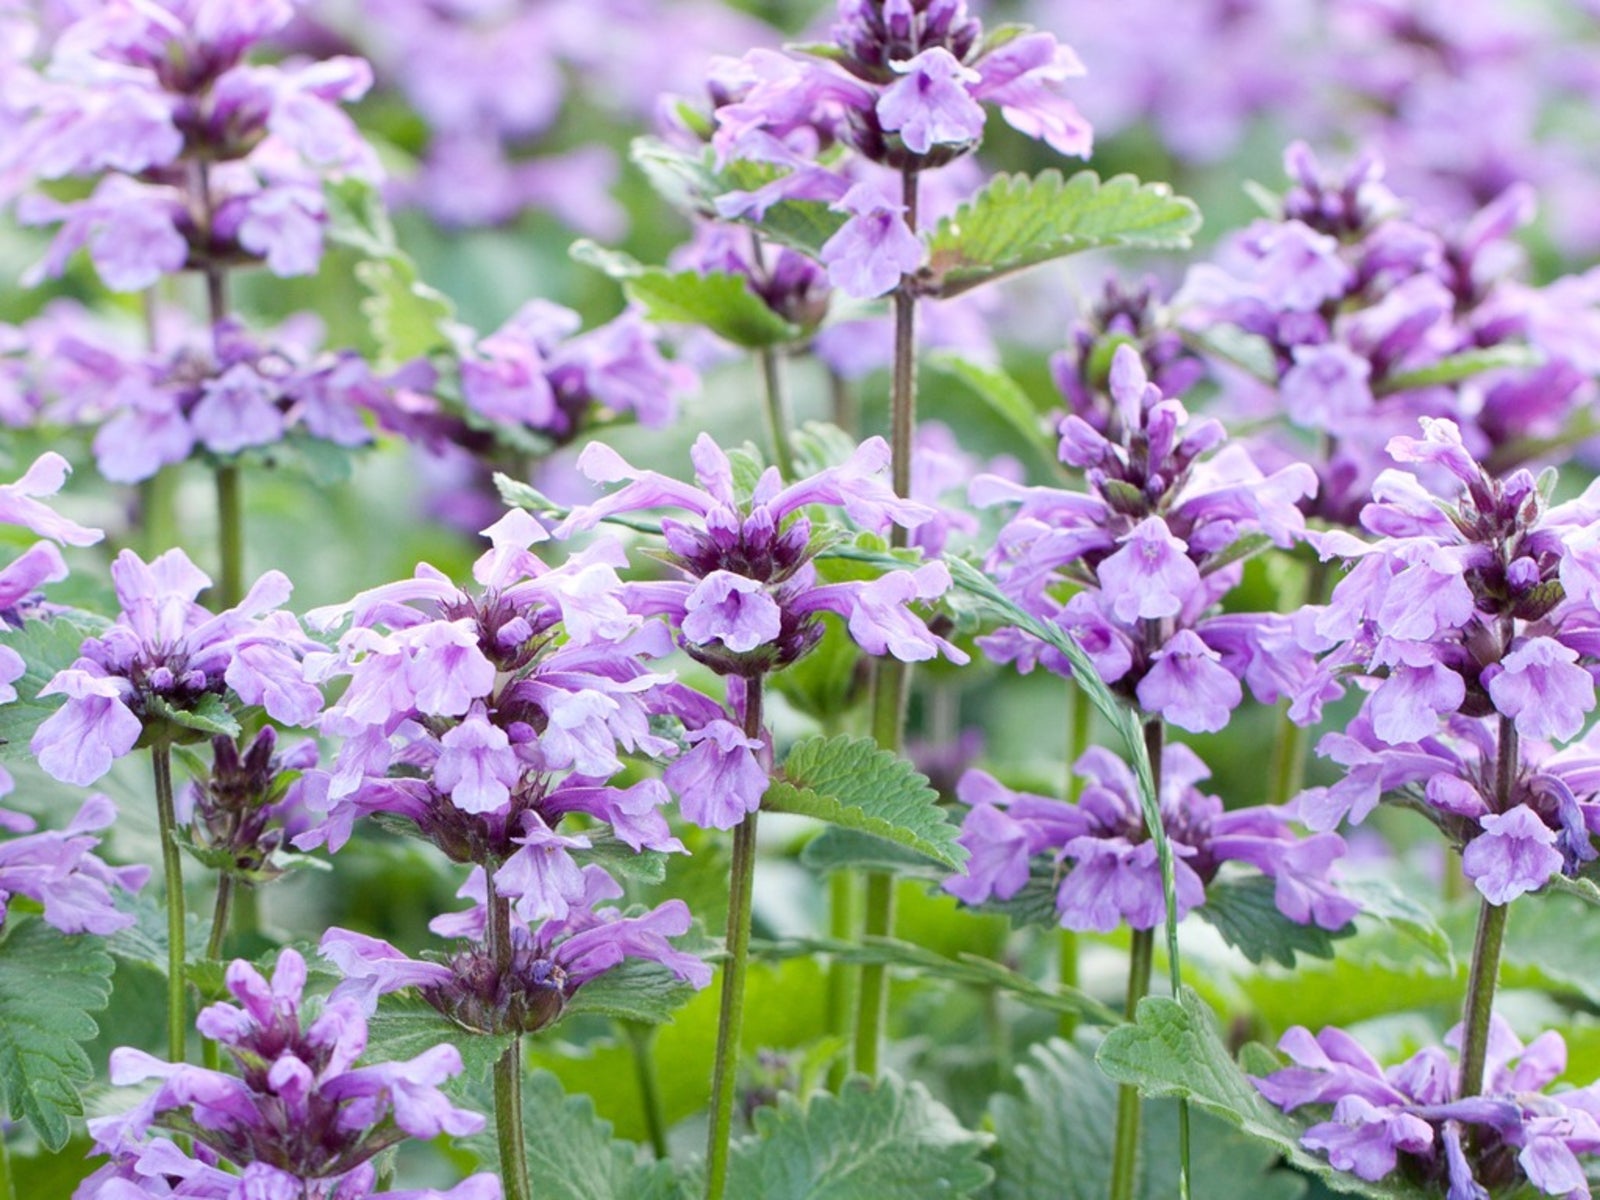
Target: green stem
[
  {"x": 1080, "y": 715},
  {"x": 642, "y": 1038},
  {"x": 1485, "y": 971},
  {"x": 842, "y": 403},
  {"x": 230, "y": 535},
  {"x": 872, "y": 999},
  {"x": 843, "y": 911},
  {"x": 158, "y": 515},
  {"x": 779, "y": 419},
  {"x": 172, "y": 870},
  {"x": 219, "y": 917},
  {"x": 730, "y": 1022},
  {"x": 1125, "y": 1142},
  {"x": 246, "y": 910},
  {"x": 508, "y": 1125},
  {"x": 1289, "y": 749}
]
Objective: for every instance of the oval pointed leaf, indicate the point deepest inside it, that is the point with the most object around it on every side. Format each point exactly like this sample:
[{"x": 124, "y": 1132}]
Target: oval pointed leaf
[
  {"x": 1019, "y": 221},
  {"x": 852, "y": 783}
]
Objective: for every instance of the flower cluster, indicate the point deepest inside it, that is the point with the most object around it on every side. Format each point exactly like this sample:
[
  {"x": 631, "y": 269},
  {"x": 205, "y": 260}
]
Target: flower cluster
[
  {"x": 1354, "y": 302},
  {"x": 485, "y": 717},
  {"x": 1150, "y": 550},
  {"x": 300, "y": 1119},
  {"x": 204, "y": 158},
  {"x": 166, "y": 654},
  {"x": 544, "y": 967},
  {"x": 61, "y": 872},
  {"x": 533, "y": 374},
  {"x": 1475, "y": 606},
  {"x": 903, "y": 83},
  {"x": 1411, "y": 1119},
  {"x": 1100, "y": 848},
  {"x": 251, "y": 805}
]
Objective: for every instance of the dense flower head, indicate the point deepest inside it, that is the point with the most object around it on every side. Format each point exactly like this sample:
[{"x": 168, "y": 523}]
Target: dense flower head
[
  {"x": 1121, "y": 314},
  {"x": 223, "y": 390},
  {"x": 750, "y": 598},
  {"x": 903, "y": 84},
  {"x": 1410, "y": 1118},
  {"x": 60, "y": 870},
  {"x": 549, "y": 961},
  {"x": 1470, "y": 622},
  {"x": 206, "y": 158},
  {"x": 1100, "y": 850},
  {"x": 486, "y": 715},
  {"x": 534, "y": 373},
  {"x": 1148, "y": 552},
  {"x": 1350, "y": 299},
  {"x": 788, "y": 282},
  {"x": 298, "y": 1119},
  {"x": 166, "y": 652}
]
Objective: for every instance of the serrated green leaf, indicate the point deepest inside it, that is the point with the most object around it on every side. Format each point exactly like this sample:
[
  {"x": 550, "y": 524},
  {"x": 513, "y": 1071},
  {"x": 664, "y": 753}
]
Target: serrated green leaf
[
  {"x": 622, "y": 860},
  {"x": 208, "y": 715},
  {"x": 888, "y": 1140},
  {"x": 1175, "y": 1048},
  {"x": 1003, "y": 395},
  {"x": 50, "y": 983},
  {"x": 1019, "y": 221},
  {"x": 1055, "y": 1140},
  {"x": 1244, "y": 912},
  {"x": 404, "y": 1027},
  {"x": 720, "y": 301},
  {"x": 571, "y": 1151},
  {"x": 982, "y": 973},
  {"x": 45, "y": 647},
  {"x": 851, "y": 782},
  {"x": 1458, "y": 367},
  {"x": 409, "y": 319},
  {"x": 357, "y": 218},
  {"x": 635, "y": 991},
  {"x": 1384, "y": 900}
]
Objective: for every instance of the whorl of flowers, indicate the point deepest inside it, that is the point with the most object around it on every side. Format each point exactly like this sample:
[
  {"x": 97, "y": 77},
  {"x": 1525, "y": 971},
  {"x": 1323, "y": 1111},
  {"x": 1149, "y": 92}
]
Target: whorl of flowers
[
  {"x": 299, "y": 1119},
  {"x": 548, "y": 962},
  {"x": 248, "y": 809},
  {"x": 203, "y": 157},
  {"x": 1147, "y": 552},
  {"x": 1471, "y": 622},
  {"x": 60, "y": 871},
  {"x": 903, "y": 83},
  {"x": 1410, "y": 1119},
  {"x": 166, "y": 652},
  {"x": 486, "y": 715},
  {"x": 1100, "y": 848},
  {"x": 1349, "y": 294}
]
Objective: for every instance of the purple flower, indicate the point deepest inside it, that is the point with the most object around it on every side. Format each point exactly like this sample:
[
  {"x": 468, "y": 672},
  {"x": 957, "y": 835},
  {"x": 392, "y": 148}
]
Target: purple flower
[
  {"x": 61, "y": 872},
  {"x": 721, "y": 780},
  {"x": 1515, "y": 854},
  {"x": 874, "y": 249},
  {"x": 929, "y": 104},
  {"x": 1188, "y": 685},
  {"x": 1151, "y": 575},
  {"x": 1543, "y": 689},
  {"x": 294, "y": 1075},
  {"x": 1111, "y": 873},
  {"x": 550, "y": 963},
  {"x": 164, "y": 649}
]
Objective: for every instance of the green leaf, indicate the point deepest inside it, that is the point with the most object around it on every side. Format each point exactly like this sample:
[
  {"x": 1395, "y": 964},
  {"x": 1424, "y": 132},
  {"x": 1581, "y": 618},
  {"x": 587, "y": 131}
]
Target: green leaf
[
  {"x": 571, "y": 1152},
  {"x": 622, "y": 860},
  {"x": 635, "y": 991},
  {"x": 840, "y": 849},
  {"x": 404, "y": 1027},
  {"x": 888, "y": 1140},
  {"x": 46, "y": 647},
  {"x": 1055, "y": 1140},
  {"x": 982, "y": 973},
  {"x": 720, "y": 301},
  {"x": 358, "y": 219},
  {"x": 1003, "y": 395},
  {"x": 1250, "y": 545},
  {"x": 1019, "y": 221},
  {"x": 1244, "y": 912},
  {"x": 851, "y": 782},
  {"x": 690, "y": 182},
  {"x": 1176, "y": 1049},
  {"x": 409, "y": 319},
  {"x": 1461, "y": 366},
  {"x": 1395, "y": 907},
  {"x": 49, "y": 984},
  {"x": 1249, "y": 352},
  {"x": 208, "y": 715}
]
